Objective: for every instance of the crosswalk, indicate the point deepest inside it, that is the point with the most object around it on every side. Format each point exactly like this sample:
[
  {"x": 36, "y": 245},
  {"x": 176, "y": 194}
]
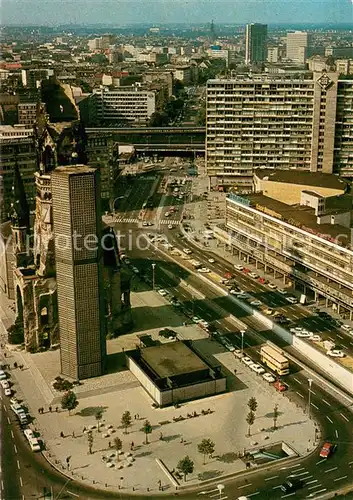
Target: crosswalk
[{"x": 131, "y": 220}]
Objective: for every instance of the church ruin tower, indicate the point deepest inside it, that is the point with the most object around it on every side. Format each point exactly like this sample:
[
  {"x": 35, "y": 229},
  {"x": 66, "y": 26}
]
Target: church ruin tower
[{"x": 20, "y": 221}]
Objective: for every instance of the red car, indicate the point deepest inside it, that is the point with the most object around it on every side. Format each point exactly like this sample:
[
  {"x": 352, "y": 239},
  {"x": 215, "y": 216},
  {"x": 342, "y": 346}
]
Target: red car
[
  {"x": 327, "y": 449},
  {"x": 246, "y": 270},
  {"x": 280, "y": 386},
  {"x": 262, "y": 281},
  {"x": 228, "y": 276}
]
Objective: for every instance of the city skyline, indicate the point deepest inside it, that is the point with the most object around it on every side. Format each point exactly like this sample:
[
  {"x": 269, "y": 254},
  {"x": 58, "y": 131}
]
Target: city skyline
[{"x": 41, "y": 12}]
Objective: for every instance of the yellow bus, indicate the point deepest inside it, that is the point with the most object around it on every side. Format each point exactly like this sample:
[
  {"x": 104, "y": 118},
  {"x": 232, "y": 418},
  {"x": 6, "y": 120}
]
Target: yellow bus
[{"x": 274, "y": 360}]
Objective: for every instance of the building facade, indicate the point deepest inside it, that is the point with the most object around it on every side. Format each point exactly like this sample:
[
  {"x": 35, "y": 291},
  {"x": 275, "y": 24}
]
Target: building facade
[
  {"x": 127, "y": 104},
  {"x": 79, "y": 270},
  {"x": 27, "y": 113},
  {"x": 310, "y": 245},
  {"x": 255, "y": 43},
  {"x": 16, "y": 146},
  {"x": 297, "y": 46},
  {"x": 278, "y": 122}
]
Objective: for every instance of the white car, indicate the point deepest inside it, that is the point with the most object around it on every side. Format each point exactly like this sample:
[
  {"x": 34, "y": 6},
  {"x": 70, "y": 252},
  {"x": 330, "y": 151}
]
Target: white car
[
  {"x": 170, "y": 226},
  {"x": 282, "y": 291},
  {"x": 253, "y": 275},
  {"x": 316, "y": 338},
  {"x": 187, "y": 251},
  {"x": 269, "y": 377},
  {"x": 238, "y": 353},
  {"x": 347, "y": 328},
  {"x": 256, "y": 303},
  {"x": 292, "y": 300},
  {"x": 257, "y": 368},
  {"x": 237, "y": 292},
  {"x": 211, "y": 261},
  {"x": 5, "y": 384},
  {"x": 2, "y": 375},
  {"x": 272, "y": 285},
  {"x": 204, "y": 324},
  {"x": 196, "y": 319},
  {"x": 243, "y": 296},
  {"x": 296, "y": 329},
  {"x": 229, "y": 346},
  {"x": 204, "y": 270},
  {"x": 304, "y": 334},
  {"x": 238, "y": 267},
  {"x": 8, "y": 391},
  {"x": 136, "y": 271},
  {"x": 335, "y": 353},
  {"x": 247, "y": 361},
  {"x": 144, "y": 223},
  {"x": 162, "y": 292}
]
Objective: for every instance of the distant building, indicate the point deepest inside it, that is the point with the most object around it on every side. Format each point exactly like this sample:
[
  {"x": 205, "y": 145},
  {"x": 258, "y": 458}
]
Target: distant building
[
  {"x": 183, "y": 73},
  {"x": 344, "y": 66},
  {"x": 79, "y": 270},
  {"x": 297, "y": 46},
  {"x": 255, "y": 43},
  {"x": 341, "y": 52},
  {"x": 272, "y": 54},
  {"x": 31, "y": 78}
]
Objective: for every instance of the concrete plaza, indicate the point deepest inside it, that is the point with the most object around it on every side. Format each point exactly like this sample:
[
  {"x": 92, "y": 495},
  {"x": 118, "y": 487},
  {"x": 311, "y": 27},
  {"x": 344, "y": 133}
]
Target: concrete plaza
[{"x": 169, "y": 441}]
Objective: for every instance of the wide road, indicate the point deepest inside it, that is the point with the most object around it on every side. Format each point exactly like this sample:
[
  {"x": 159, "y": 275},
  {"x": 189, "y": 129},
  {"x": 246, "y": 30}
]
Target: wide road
[{"x": 335, "y": 418}]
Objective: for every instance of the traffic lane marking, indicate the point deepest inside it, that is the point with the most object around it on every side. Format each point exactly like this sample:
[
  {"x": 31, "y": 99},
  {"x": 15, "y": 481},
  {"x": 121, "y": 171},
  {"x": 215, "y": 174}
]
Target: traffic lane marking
[
  {"x": 329, "y": 419},
  {"x": 330, "y": 470},
  {"x": 340, "y": 478}
]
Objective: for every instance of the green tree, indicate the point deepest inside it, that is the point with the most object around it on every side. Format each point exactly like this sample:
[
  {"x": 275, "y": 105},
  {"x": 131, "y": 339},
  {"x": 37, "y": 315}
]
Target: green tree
[
  {"x": 69, "y": 401},
  {"x": 250, "y": 419},
  {"x": 126, "y": 420},
  {"x": 186, "y": 466},
  {"x": 118, "y": 444},
  {"x": 147, "y": 429},
  {"x": 252, "y": 404},
  {"x": 99, "y": 415},
  {"x": 275, "y": 416},
  {"x": 90, "y": 441},
  {"x": 206, "y": 447}
]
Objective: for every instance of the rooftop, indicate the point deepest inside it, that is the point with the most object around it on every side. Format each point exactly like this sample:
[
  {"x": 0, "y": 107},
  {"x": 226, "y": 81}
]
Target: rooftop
[
  {"x": 314, "y": 179},
  {"x": 75, "y": 169},
  {"x": 171, "y": 359},
  {"x": 304, "y": 217}
]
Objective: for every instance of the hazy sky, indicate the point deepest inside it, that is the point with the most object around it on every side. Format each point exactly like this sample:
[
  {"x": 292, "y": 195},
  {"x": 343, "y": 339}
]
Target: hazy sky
[{"x": 51, "y": 12}]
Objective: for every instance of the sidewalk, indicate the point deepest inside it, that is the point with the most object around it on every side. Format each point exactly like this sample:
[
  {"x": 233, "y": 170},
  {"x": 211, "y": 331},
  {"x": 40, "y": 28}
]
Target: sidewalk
[{"x": 119, "y": 391}]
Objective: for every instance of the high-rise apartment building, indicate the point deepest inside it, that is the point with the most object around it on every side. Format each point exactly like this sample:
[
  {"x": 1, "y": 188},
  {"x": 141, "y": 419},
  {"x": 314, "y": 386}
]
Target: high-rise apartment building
[
  {"x": 297, "y": 46},
  {"x": 277, "y": 122},
  {"x": 255, "y": 43},
  {"x": 79, "y": 261}
]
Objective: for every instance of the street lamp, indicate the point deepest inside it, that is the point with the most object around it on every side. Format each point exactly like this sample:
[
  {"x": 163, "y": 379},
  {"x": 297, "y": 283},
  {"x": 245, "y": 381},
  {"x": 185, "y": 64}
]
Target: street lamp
[
  {"x": 220, "y": 488},
  {"x": 113, "y": 204},
  {"x": 153, "y": 274},
  {"x": 310, "y": 381},
  {"x": 242, "y": 340}
]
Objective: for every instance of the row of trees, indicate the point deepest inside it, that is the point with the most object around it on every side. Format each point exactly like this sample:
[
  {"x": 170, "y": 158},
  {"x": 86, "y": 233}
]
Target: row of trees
[{"x": 251, "y": 416}]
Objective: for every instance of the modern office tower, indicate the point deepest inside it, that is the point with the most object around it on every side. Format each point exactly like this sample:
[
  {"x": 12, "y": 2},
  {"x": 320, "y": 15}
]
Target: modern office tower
[
  {"x": 16, "y": 146},
  {"x": 79, "y": 260},
  {"x": 277, "y": 122},
  {"x": 255, "y": 43},
  {"x": 130, "y": 104},
  {"x": 297, "y": 46}
]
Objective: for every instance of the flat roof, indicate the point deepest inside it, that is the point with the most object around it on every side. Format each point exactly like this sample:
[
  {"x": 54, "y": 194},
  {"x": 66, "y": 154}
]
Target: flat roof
[
  {"x": 304, "y": 215},
  {"x": 171, "y": 359},
  {"x": 302, "y": 177}
]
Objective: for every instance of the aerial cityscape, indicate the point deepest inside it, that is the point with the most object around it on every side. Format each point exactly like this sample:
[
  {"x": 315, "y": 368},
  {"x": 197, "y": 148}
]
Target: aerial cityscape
[{"x": 176, "y": 250}]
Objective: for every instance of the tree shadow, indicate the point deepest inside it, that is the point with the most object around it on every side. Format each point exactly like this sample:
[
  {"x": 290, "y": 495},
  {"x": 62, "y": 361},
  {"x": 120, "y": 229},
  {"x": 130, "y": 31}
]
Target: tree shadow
[
  {"x": 167, "y": 439},
  {"x": 208, "y": 474},
  {"x": 228, "y": 458},
  {"x": 143, "y": 454},
  {"x": 271, "y": 415},
  {"x": 91, "y": 411}
]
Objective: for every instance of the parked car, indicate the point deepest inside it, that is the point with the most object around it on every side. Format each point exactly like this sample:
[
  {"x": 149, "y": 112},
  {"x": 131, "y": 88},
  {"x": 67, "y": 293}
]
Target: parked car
[
  {"x": 336, "y": 353},
  {"x": 282, "y": 291},
  {"x": 257, "y": 368},
  {"x": 246, "y": 360},
  {"x": 327, "y": 450},
  {"x": 268, "y": 377},
  {"x": 3, "y": 375},
  {"x": 272, "y": 286},
  {"x": 316, "y": 338},
  {"x": 268, "y": 311},
  {"x": 253, "y": 275},
  {"x": 256, "y": 303},
  {"x": 238, "y": 353},
  {"x": 5, "y": 384},
  {"x": 280, "y": 386},
  {"x": 187, "y": 251},
  {"x": 8, "y": 391},
  {"x": 211, "y": 260},
  {"x": 238, "y": 267},
  {"x": 292, "y": 300},
  {"x": 162, "y": 292},
  {"x": 304, "y": 334},
  {"x": 204, "y": 270}
]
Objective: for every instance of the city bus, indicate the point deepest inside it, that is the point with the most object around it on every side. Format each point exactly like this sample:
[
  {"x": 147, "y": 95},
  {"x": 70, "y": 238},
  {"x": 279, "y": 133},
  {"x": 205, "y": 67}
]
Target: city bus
[{"x": 274, "y": 360}]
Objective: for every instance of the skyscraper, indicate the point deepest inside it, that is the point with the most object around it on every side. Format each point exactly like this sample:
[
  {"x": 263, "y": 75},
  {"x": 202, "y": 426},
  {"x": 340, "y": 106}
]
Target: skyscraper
[
  {"x": 255, "y": 43},
  {"x": 79, "y": 261},
  {"x": 297, "y": 46}
]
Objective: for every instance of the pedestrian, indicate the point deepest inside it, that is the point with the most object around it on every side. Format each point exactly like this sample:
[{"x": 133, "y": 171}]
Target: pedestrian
[
  {"x": 39, "y": 410},
  {"x": 73, "y": 434},
  {"x": 84, "y": 430},
  {"x": 15, "y": 365},
  {"x": 161, "y": 436},
  {"x": 62, "y": 434},
  {"x": 57, "y": 409},
  {"x": 159, "y": 484},
  {"x": 50, "y": 409},
  {"x": 109, "y": 444},
  {"x": 181, "y": 439},
  {"x": 132, "y": 446},
  {"x": 5, "y": 354},
  {"x": 134, "y": 417}
]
